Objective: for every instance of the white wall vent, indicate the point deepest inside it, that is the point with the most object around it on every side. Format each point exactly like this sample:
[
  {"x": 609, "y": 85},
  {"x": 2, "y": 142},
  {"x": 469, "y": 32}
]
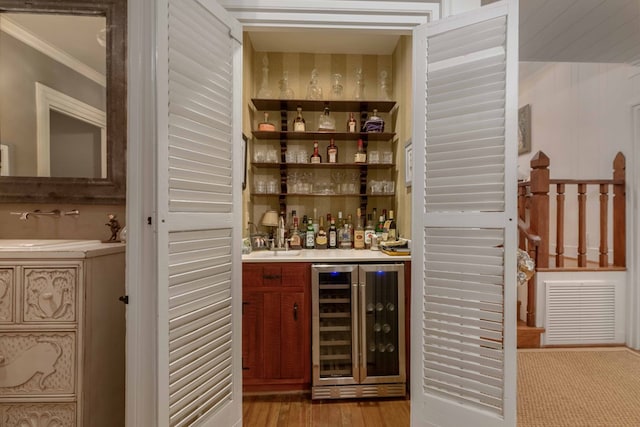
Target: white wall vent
[{"x": 581, "y": 312}]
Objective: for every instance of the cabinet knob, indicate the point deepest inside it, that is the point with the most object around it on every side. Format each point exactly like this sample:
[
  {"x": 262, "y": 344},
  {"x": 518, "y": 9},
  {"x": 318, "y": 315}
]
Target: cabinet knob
[{"x": 295, "y": 311}]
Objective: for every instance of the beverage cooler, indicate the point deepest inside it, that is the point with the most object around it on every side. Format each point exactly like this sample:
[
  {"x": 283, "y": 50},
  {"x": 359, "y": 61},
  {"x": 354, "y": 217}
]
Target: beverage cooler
[{"x": 358, "y": 331}]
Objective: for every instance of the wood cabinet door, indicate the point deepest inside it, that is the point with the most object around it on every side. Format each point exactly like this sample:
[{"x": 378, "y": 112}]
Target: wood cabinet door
[
  {"x": 252, "y": 334},
  {"x": 295, "y": 349}
]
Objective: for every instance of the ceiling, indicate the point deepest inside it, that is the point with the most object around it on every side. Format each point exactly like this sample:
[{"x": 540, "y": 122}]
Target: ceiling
[
  {"x": 550, "y": 31},
  {"x": 76, "y": 35}
]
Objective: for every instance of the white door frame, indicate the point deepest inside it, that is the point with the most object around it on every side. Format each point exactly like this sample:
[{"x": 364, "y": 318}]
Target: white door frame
[
  {"x": 141, "y": 280},
  {"x": 633, "y": 227}
]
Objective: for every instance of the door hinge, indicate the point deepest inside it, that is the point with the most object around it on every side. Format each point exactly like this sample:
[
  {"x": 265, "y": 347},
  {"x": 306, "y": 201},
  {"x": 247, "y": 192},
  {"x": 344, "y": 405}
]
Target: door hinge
[{"x": 124, "y": 299}]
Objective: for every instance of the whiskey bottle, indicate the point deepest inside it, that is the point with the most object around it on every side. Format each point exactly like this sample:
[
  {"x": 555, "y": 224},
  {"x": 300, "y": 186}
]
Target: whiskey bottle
[
  {"x": 321, "y": 237},
  {"x": 358, "y": 233},
  {"x": 347, "y": 234},
  {"x": 295, "y": 240},
  {"x": 361, "y": 155},
  {"x": 310, "y": 236},
  {"x": 369, "y": 231},
  {"x": 332, "y": 152},
  {"x": 393, "y": 231},
  {"x": 352, "y": 125},
  {"x": 339, "y": 226},
  {"x": 315, "y": 157},
  {"x": 326, "y": 122},
  {"x": 333, "y": 235},
  {"x": 299, "y": 124}
]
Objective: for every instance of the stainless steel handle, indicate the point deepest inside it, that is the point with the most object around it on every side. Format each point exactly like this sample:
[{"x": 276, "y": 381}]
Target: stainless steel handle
[{"x": 295, "y": 311}]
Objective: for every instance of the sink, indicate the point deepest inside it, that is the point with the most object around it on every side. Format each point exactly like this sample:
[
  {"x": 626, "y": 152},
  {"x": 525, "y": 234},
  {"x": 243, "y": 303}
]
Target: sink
[{"x": 42, "y": 244}]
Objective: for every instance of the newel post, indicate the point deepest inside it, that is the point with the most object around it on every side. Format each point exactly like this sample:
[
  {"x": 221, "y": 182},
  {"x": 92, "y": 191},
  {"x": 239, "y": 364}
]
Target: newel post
[
  {"x": 539, "y": 222},
  {"x": 619, "y": 212}
]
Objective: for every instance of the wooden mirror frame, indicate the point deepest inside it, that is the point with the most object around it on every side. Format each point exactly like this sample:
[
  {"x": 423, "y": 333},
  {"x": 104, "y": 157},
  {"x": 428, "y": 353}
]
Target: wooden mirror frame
[{"x": 112, "y": 190}]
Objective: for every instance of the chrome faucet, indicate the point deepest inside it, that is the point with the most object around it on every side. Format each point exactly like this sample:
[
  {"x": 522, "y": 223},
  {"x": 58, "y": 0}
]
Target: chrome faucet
[{"x": 56, "y": 213}]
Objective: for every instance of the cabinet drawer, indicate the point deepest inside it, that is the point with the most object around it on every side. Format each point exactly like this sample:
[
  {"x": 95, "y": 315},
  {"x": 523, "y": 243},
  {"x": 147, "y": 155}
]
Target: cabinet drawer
[
  {"x": 7, "y": 294},
  {"x": 37, "y": 363},
  {"x": 277, "y": 274},
  {"x": 50, "y": 295},
  {"x": 38, "y": 414}
]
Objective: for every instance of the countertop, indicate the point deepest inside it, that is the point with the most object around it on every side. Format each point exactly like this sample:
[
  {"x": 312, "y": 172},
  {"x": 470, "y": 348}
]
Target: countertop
[
  {"x": 323, "y": 255},
  {"x": 56, "y": 248}
]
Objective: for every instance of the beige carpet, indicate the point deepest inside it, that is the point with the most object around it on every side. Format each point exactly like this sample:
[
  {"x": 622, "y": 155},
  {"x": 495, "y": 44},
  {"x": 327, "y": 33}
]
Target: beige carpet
[{"x": 578, "y": 387}]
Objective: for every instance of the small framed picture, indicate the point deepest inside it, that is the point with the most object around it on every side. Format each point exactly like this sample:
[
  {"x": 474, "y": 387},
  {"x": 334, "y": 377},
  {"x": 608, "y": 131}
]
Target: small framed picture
[
  {"x": 408, "y": 163},
  {"x": 524, "y": 129}
]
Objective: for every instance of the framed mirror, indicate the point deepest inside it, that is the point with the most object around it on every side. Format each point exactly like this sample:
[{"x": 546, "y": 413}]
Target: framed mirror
[{"x": 63, "y": 101}]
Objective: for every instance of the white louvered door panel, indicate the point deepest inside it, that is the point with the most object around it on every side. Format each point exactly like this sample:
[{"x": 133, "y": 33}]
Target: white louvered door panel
[
  {"x": 199, "y": 341},
  {"x": 465, "y": 151}
]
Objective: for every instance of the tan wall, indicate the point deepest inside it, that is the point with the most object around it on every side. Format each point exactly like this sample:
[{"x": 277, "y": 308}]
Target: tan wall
[
  {"x": 90, "y": 224},
  {"x": 402, "y": 63},
  {"x": 299, "y": 67}
]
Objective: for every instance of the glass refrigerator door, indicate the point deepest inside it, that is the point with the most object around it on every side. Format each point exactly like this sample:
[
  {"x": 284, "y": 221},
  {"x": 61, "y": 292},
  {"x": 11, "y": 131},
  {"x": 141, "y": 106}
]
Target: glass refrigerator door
[
  {"x": 382, "y": 335},
  {"x": 335, "y": 332}
]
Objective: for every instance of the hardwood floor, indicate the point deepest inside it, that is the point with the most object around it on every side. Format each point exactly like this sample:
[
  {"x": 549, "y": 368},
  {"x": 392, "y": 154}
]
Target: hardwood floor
[{"x": 297, "y": 410}]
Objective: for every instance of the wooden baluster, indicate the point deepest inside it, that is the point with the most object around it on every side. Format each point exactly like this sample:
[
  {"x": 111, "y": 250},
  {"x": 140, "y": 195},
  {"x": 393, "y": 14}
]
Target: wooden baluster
[
  {"x": 582, "y": 225},
  {"x": 560, "y": 225},
  {"x": 522, "y": 214},
  {"x": 604, "y": 221},
  {"x": 619, "y": 207},
  {"x": 539, "y": 212}
]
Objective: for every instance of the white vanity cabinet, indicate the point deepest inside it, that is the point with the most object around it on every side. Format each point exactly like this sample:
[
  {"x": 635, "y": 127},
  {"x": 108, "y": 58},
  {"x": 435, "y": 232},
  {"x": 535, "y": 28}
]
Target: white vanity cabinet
[{"x": 62, "y": 337}]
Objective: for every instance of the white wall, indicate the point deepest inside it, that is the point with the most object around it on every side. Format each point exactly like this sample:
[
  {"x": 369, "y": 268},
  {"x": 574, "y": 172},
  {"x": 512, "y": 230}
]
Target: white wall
[{"x": 580, "y": 117}]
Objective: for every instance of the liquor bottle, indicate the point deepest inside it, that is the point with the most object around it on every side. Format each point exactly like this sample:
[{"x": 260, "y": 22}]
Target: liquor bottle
[
  {"x": 374, "y": 123},
  {"x": 326, "y": 122},
  {"x": 369, "y": 230},
  {"x": 361, "y": 155},
  {"x": 321, "y": 237},
  {"x": 310, "y": 236},
  {"x": 315, "y": 157},
  {"x": 299, "y": 125},
  {"x": 333, "y": 235},
  {"x": 358, "y": 233},
  {"x": 385, "y": 225},
  {"x": 347, "y": 233},
  {"x": 332, "y": 152},
  {"x": 339, "y": 226},
  {"x": 352, "y": 125},
  {"x": 295, "y": 240},
  {"x": 303, "y": 232},
  {"x": 393, "y": 231},
  {"x": 316, "y": 226},
  {"x": 379, "y": 228}
]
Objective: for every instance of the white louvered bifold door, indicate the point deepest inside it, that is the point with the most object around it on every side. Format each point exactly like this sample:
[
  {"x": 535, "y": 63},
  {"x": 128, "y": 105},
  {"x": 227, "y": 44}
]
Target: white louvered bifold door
[
  {"x": 199, "y": 210},
  {"x": 464, "y": 210}
]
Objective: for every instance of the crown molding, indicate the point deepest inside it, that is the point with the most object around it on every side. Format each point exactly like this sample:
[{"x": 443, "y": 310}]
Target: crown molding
[{"x": 15, "y": 30}]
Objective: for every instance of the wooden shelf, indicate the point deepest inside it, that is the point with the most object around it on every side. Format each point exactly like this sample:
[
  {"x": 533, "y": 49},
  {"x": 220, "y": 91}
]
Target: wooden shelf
[
  {"x": 322, "y": 195},
  {"x": 263, "y": 165},
  {"x": 313, "y": 105},
  {"x": 324, "y": 135}
]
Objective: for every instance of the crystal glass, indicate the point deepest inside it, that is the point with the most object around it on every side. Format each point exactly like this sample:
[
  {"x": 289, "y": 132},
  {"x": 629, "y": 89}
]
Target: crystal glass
[
  {"x": 285, "y": 91},
  {"x": 314, "y": 91},
  {"x": 358, "y": 91},
  {"x": 264, "y": 91},
  {"x": 385, "y": 86},
  {"x": 337, "y": 90}
]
